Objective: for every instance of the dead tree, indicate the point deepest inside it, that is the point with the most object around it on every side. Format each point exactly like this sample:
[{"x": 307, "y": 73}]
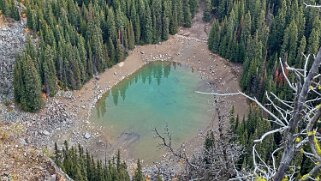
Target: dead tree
[
  {"x": 215, "y": 161},
  {"x": 295, "y": 120}
]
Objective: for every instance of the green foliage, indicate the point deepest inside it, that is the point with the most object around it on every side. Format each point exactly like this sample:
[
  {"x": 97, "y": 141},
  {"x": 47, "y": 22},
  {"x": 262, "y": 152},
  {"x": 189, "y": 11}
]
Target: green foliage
[
  {"x": 187, "y": 14},
  {"x": 138, "y": 173},
  {"x": 10, "y": 9},
  {"x": 27, "y": 84},
  {"x": 49, "y": 72},
  {"x": 248, "y": 130},
  {"x": 82, "y": 166},
  {"x": 257, "y": 34},
  {"x": 79, "y": 39},
  {"x": 193, "y": 4},
  {"x": 209, "y": 145},
  {"x": 207, "y": 14}
]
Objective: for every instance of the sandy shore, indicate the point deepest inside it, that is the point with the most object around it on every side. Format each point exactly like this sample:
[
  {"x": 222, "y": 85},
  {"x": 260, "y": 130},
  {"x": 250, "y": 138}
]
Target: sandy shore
[
  {"x": 188, "y": 47},
  {"x": 190, "y": 51}
]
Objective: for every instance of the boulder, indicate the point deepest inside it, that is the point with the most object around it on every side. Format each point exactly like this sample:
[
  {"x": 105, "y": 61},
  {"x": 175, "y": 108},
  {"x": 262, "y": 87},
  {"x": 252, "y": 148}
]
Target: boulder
[
  {"x": 45, "y": 132},
  {"x": 87, "y": 135}
]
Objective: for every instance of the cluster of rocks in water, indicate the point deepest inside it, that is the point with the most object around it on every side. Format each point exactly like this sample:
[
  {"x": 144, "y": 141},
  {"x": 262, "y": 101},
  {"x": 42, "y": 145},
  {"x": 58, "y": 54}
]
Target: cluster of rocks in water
[{"x": 12, "y": 40}]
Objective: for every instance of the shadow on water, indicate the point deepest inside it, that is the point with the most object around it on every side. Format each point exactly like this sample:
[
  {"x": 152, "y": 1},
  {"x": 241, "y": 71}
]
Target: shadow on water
[
  {"x": 159, "y": 94},
  {"x": 149, "y": 73}
]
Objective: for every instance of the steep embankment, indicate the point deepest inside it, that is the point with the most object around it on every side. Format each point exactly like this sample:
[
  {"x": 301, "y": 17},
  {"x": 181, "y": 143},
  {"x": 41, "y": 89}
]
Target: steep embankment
[
  {"x": 19, "y": 161},
  {"x": 11, "y": 43},
  {"x": 66, "y": 117}
]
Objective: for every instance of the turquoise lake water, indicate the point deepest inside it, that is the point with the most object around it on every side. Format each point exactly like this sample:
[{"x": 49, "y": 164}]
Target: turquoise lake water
[{"x": 159, "y": 94}]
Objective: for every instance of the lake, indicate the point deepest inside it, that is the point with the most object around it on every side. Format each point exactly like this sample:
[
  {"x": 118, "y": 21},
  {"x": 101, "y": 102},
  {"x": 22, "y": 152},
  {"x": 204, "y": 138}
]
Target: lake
[{"x": 159, "y": 94}]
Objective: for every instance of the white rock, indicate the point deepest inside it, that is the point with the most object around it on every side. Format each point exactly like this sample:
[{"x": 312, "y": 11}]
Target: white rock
[
  {"x": 121, "y": 64},
  {"x": 45, "y": 132},
  {"x": 87, "y": 136}
]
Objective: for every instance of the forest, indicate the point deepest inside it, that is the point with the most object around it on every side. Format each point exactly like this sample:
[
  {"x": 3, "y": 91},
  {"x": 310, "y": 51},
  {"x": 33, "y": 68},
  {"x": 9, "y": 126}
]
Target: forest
[
  {"x": 77, "y": 40},
  {"x": 80, "y": 165},
  {"x": 73, "y": 41},
  {"x": 258, "y": 34}
]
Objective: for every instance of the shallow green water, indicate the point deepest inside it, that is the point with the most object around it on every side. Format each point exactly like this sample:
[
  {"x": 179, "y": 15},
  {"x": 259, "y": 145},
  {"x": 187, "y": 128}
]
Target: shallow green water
[{"x": 158, "y": 94}]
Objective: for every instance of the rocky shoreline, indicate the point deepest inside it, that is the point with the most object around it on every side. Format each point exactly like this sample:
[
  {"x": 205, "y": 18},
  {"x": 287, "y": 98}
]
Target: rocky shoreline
[{"x": 67, "y": 116}]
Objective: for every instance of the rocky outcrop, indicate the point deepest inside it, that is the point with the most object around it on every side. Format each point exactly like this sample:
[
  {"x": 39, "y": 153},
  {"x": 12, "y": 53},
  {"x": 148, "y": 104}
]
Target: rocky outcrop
[
  {"x": 12, "y": 40},
  {"x": 21, "y": 161}
]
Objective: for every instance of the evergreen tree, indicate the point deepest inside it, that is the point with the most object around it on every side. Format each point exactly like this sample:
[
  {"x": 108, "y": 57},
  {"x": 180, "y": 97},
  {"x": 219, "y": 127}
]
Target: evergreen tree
[
  {"x": 207, "y": 15},
  {"x": 119, "y": 52},
  {"x": 313, "y": 45},
  {"x": 14, "y": 11},
  {"x": 301, "y": 49},
  {"x": 174, "y": 22},
  {"x": 193, "y": 6},
  {"x": 49, "y": 72},
  {"x": 131, "y": 36},
  {"x": 29, "y": 84},
  {"x": 290, "y": 41},
  {"x": 187, "y": 14},
  {"x": 82, "y": 166},
  {"x": 88, "y": 36},
  {"x": 138, "y": 173},
  {"x": 147, "y": 24}
]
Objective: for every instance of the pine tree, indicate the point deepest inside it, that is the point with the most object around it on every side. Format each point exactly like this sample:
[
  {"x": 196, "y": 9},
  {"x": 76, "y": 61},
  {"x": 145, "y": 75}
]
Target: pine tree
[
  {"x": 290, "y": 41},
  {"x": 165, "y": 20},
  {"x": 14, "y": 12},
  {"x": 221, "y": 9},
  {"x": 180, "y": 12},
  {"x": 211, "y": 38},
  {"x": 207, "y": 14},
  {"x": 193, "y": 6},
  {"x": 89, "y": 63},
  {"x": 2, "y": 6},
  {"x": 301, "y": 49},
  {"x": 49, "y": 72},
  {"x": 187, "y": 14},
  {"x": 138, "y": 173},
  {"x": 174, "y": 22},
  {"x": 112, "y": 32},
  {"x": 131, "y": 36},
  {"x": 31, "y": 19},
  {"x": 30, "y": 99},
  {"x": 83, "y": 58},
  {"x": 277, "y": 29},
  {"x": 18, "y": 80},
  {"x": 57, "y": 156},
  {"x": 314, "y": 41},
  {"x": 147, "y": 30},
  {"x": 119, "y": 52}
]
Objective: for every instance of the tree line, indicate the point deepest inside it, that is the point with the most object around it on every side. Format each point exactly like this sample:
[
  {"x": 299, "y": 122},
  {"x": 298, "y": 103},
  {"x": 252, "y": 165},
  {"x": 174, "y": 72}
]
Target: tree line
[
  {"x": 9, "y": 9},
  {"x": 80, "y": 165},
  {"x": 258, "y": 33},
  {"x": 253, "y": 127},
  {"x": 78, "y": 39}
]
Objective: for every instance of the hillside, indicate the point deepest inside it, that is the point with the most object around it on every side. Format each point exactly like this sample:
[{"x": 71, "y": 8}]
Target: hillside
[
  {"x": 11, "y": 42},
  {"x": 66, "y": 116},
  {"x": 21, "y": 161},
  {"x": 245, "y": 74}
]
